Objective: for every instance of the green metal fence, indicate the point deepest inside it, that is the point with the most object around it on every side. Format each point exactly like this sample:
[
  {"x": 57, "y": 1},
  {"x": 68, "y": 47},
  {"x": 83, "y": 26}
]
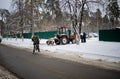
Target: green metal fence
[
  {"x": 109, "y": 35},
  {"x": 43, "y": 35}
]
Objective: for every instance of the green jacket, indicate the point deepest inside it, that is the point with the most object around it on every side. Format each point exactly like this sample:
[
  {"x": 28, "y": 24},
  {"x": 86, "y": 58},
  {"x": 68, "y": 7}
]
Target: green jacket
[{"x": 35, "y": 40}]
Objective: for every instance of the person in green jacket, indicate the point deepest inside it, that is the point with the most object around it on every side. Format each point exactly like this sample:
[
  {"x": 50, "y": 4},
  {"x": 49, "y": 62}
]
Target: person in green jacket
[{"x": 35, "y": 40}]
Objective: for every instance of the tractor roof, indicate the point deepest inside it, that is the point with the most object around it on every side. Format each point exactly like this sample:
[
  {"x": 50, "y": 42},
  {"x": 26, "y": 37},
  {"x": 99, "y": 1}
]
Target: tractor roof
[{"x": 61, "y": 27}]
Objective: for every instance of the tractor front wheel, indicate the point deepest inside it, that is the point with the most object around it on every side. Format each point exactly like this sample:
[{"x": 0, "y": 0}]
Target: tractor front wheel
[
  {"x": 0, "y": 40},
  {"x": 73, "y": 41},
  {"x": 57, "y": 42}
]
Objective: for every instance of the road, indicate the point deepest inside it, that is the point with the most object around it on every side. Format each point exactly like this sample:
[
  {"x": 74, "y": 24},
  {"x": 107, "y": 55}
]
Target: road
[{"x": 29, "y": 66}]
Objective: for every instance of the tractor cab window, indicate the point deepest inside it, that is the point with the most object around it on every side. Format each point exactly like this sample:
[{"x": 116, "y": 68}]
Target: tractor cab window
[
  {"x": 62, "y": 31},
  {"x": 58, "y": 31}
]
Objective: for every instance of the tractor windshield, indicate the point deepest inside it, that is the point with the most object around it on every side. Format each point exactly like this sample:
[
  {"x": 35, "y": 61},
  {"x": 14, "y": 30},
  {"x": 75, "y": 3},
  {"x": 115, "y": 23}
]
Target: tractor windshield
[{"x": 62, "y": 31}]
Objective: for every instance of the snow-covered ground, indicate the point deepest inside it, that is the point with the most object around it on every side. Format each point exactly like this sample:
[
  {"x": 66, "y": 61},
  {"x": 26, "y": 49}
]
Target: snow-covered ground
[{"x": 92, "y": 49}]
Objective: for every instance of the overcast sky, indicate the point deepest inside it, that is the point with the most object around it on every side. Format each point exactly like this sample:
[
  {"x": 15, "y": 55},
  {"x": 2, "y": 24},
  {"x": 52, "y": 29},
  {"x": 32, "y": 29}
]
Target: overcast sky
[{"x": 5, "y": 4}]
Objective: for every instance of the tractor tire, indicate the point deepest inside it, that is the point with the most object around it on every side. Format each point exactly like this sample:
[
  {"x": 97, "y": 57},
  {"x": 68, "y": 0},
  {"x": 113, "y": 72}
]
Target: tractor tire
[
  {"x": 64, "y": 40},
  {"x": 73, "y": 41},
  {"x": 0, "y": 40},
  {"x": 57, "y": 42}
]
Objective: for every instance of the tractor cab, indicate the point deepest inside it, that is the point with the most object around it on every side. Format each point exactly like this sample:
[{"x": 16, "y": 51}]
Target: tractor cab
[{"x": 63, "y": 30}]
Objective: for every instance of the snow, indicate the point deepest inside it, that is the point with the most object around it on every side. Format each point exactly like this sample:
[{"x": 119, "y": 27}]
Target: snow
[{"x": 92, "y": 49}]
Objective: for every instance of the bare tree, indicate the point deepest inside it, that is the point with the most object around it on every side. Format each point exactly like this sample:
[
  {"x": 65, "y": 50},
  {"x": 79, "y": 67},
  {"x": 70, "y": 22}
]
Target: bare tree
[
  {"x": 19, "y": 4},
  {"x": 4, "y": 13},
  {"x": 28, "y": 13},
  {"x": 113, "y": 12}
]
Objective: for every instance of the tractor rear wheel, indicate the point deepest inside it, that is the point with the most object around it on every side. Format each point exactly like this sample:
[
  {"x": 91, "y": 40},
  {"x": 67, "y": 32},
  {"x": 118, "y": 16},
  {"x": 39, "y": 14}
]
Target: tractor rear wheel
[{"x": 64, "y": 40}]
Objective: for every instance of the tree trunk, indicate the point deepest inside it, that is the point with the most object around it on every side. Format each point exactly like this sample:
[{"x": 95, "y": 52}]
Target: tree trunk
[
  {"x": 21, "y": 18},
  {"x": 32, "y": 21},
  {"x": 81, "y": 16},
  {"x": 2, "y": 25}
]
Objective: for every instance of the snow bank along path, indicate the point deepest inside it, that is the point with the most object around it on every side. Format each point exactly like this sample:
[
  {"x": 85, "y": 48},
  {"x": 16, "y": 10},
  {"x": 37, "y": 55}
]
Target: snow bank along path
[{"x": 93, "y": 49}]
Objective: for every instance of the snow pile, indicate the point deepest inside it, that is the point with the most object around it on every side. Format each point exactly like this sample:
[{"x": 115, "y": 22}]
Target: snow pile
[{"x": 93, "y": 49}]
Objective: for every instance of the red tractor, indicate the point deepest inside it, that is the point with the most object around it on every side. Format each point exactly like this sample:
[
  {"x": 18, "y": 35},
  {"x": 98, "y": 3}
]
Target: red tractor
[{"x": 64, "y": 36}]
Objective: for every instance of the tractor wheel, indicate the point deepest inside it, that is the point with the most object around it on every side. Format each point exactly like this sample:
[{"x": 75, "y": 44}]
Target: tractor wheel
[
  {"x": 64, "y": 40},
  {"x": 0, "y": 40},
  {"x": 57, "y": 42},
  {"x": 73, "y": 41}
]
